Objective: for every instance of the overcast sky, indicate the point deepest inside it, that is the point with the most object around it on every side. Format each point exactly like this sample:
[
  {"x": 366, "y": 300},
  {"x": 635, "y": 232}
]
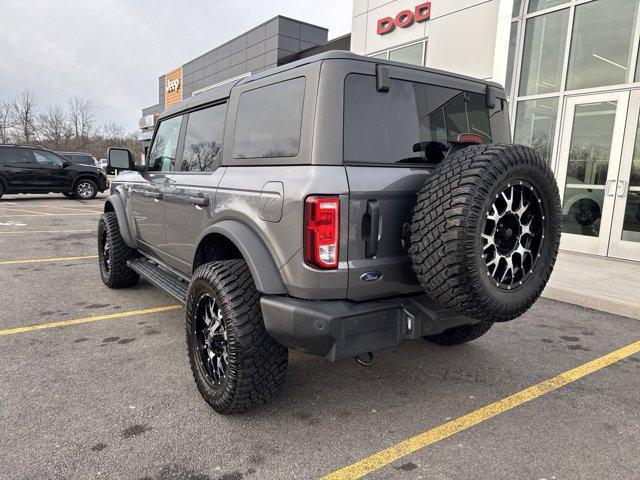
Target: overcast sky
[{"x": 113, "y": 51}]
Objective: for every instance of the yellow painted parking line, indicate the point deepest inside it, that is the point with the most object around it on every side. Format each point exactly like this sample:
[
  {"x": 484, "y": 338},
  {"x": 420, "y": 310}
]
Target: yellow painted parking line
[
  {"x": 78, "y": 321},
  {"x": 391, "y": 454},
  {"x": 10, "y": 209},
  {"x": 24, "y": 232},
  {"x": 44, "y": 260},
  {"x": 51, "y": 214}
]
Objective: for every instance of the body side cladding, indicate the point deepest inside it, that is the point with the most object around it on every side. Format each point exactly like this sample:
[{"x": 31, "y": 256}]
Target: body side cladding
[{"x": 263, "y": 268}]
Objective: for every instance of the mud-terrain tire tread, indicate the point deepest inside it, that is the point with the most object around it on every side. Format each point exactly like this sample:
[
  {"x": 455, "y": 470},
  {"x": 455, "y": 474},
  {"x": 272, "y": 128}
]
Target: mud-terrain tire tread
[
  {"x": 449, "y": 206},
  {"x": 120, "y": 276},
  {"x": 460, "y": 335},
  {"x": 257, "y": 363}
]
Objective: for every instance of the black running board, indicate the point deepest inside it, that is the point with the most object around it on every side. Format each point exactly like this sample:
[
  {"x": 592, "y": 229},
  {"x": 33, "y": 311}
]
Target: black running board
[{"x": 161, "y": 278}]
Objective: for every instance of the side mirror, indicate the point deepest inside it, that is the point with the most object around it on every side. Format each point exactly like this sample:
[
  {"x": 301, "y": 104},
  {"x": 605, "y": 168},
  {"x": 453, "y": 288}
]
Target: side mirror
[{"x": 119, "y": 159}]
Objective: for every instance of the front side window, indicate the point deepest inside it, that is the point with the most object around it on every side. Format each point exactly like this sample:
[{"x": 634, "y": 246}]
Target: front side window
[
  {"x": 269, "y": 121},
  {"x": 47, "y": 159},
  {"x": 412, "y": 123},
  {"x": 203, "y": 140},
  {"x": 162, "y": 157}
]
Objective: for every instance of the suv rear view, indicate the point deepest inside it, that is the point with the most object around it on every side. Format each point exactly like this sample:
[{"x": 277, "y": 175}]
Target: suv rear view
[{"x": 338, "y": 205}]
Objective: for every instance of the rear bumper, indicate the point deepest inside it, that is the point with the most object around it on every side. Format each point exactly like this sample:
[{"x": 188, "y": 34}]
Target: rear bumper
[{"x": 339, "y": 329}]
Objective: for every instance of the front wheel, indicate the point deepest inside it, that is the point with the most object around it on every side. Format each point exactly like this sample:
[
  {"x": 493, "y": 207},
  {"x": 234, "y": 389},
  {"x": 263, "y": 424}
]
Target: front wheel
[
  {"x": 85, "y": 189},
  {"x": 235, "y": 363},
  {"x": 113, "y": 254}
]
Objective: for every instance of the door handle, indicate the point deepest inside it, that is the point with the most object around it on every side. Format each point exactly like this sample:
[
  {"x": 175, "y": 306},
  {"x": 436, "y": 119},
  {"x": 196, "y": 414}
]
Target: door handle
[
  {"x": 154, "y": 195},
  {"x": 607, "y": 190},
  {"x": 199, "y": 201},
  {"x": 371, "y": 229},
  {"x": 622, "y": 188}
]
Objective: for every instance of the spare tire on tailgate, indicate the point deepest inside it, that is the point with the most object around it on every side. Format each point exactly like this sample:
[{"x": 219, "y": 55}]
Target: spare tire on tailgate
[{"x": 485, "y": 231}]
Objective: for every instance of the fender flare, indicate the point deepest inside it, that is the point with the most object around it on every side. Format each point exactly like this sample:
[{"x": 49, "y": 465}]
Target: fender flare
[
  {"x": 263, "y": 268},
  {"x": 117, "y": 205}
]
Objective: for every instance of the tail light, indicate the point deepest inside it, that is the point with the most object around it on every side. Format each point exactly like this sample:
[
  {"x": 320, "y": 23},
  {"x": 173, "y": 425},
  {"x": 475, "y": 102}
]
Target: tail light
[
  {"x": 321, "y": 231},
  {"x": 469, "y": 138}
]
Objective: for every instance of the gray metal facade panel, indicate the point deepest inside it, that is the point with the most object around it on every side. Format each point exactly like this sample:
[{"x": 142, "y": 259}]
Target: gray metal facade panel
[
  {"x": 288, "y": 27},
  {"x": 313, "y": 34},
  {"x": 256, "y": 50},
  {"x": 187, "y": 68},
  {"x": 210, "y": 58},
  {"x": 198, "y": 63},
  {"x": 222, "y": 64},
  {"x": 288, "y": 43},
  {"x": 223, "y": 52},
  {"x": 256, "y": 35},
  {"x": 209, "y": 70},
  {"x": 238, "y": 44},
  {"x": 197, "y": 75},
  {"x": 271, "y": 57},
  {"x": 238, "y": 70},
  {"x": 271, "y": 43},
  {"x": 255, "y": 63},
  {"x": 272, "y": 27},
  {"x": 222, "y": 75},
  {"x": 237, "y": 58}
]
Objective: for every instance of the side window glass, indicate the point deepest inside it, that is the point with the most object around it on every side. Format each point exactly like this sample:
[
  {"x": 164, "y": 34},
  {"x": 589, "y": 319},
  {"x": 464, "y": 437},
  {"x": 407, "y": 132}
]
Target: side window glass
[
  {"x": 203, "y": 140},
  {"x": 162, "y": 157},
  {"x": 19, "y": 156},
  {"x": 46, "y": 159},
  {"x": 269, "y": 121}
]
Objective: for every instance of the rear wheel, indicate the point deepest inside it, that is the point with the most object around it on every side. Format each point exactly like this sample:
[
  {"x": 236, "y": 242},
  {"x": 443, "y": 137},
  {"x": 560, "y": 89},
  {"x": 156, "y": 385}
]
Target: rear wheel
[
  {"x": 461, "y": 334},
  {"x": 235, "y": 363},
  {"x": 113, "y": 254},
  {"x": 85, "y": 189},
  {"x": 485, "y": 231}
]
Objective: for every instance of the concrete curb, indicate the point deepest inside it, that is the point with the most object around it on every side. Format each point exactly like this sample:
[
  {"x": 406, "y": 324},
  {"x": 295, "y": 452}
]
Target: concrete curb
[{"x": 603, "y": 303}]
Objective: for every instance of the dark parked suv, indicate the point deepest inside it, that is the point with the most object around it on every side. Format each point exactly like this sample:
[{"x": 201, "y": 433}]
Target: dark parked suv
[
  {"x": 81, "y": 158},
  {"x": 337, "y": 205},
  {"x": 28, "y": 169}
]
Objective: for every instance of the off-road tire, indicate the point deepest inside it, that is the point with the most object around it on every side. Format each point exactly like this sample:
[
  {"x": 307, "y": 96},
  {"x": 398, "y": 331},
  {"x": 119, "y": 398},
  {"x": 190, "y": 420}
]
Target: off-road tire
[
  {"x": 257, "y": 364},
  {"x": 117, "y": 274},
  {"x": 446, "y": 230},
  {"x": 460, "y": 335},
  {"x": 79, "y": 185}
]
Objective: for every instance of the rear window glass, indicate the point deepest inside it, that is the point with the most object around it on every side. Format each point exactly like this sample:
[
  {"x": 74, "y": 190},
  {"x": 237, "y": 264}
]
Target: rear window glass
[
  {"x": 269, "y": 120},
  {"x": 412, "y": 123}
]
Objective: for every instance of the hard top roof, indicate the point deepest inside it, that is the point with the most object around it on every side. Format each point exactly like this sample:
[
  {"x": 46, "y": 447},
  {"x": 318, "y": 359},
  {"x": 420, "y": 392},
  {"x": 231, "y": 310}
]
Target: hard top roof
[{"x": 223, "y": 90}]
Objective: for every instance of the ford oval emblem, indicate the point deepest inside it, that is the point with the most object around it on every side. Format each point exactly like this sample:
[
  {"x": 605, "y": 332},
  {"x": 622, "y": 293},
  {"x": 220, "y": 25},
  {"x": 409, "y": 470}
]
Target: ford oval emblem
[{"x": 371, "y": 276}]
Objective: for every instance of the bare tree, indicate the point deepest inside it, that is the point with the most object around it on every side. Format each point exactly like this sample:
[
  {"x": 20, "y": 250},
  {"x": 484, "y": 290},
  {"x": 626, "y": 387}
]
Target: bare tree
[
  {"x": 23, "y": 115},
  {"x": 111, "y": 131},
  {"x": 54, "y": 128},
  {"x": 82, "y": 120},
  {"x": 5, "y": 122}
]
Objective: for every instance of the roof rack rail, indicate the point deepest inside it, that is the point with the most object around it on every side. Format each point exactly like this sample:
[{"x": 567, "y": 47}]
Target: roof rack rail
[{"x": 209, "y": 87}]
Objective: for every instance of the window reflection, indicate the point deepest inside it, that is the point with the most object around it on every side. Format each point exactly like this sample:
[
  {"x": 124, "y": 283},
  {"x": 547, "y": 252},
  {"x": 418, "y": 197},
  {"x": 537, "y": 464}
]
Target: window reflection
[
  {"x": 203, "y": 140},
  {"x": 536, "y": 125}
]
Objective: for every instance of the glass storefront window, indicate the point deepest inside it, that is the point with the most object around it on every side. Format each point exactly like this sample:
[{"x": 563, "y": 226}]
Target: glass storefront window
[
  {"x": 537, "y": 5},
  {"x": 543, "y": 54},
  {"x": 601, "y": 43},
  {"x": 511, "y": 59},
  {"x": 517, "y": 5},
  {"x": 587, "y": 168},
  {"x": 536, "y": 125},
  {"x": 631, "y": 225},
  {"x": 409, "y": 54}
]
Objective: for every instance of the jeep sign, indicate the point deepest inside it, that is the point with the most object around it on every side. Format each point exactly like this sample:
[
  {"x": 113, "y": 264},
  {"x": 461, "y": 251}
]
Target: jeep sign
[
  {"x": 405, "y": 18},
  {"x": 173, "y": 85}
]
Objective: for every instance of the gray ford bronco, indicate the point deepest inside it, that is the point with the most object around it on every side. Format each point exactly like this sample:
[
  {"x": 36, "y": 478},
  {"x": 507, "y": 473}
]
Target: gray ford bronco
[{"x": 337, "y": 205}]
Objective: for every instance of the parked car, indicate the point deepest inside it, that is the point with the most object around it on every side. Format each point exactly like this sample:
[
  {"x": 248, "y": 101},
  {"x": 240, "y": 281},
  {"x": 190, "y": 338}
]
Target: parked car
[
  {"x": 28, "y": 169},
  {"x": 80, "y": 158},
  {"x": 337, "y": 205}
]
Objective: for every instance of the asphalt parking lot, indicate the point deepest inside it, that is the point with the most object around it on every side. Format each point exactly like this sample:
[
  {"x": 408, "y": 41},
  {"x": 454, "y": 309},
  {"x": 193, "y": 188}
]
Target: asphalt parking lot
[{"x": 105, "y": 391}]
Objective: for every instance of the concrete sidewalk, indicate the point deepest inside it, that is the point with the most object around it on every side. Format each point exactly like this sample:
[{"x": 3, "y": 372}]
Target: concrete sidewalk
[{"x": 601, "y": 283}]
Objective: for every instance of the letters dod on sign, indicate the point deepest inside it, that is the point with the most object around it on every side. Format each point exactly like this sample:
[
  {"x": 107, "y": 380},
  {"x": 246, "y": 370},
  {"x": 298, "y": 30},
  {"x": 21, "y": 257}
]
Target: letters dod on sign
[{"x": 405, "y": 18}]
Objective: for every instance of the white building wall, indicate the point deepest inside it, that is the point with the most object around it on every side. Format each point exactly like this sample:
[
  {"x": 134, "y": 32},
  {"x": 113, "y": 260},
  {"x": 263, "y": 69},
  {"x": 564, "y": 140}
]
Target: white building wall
[{"x": 470, "y": 37}]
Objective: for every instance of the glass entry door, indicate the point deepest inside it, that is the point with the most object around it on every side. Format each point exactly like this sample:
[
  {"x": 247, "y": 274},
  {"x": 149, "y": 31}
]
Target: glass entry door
[
  {"x": 589, "y": 163},
  {"x": 625, "y": 230}
]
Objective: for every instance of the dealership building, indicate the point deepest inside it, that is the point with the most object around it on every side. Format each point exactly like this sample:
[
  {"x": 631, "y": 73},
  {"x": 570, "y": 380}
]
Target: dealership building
[{"x": 570, "y": 69}]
